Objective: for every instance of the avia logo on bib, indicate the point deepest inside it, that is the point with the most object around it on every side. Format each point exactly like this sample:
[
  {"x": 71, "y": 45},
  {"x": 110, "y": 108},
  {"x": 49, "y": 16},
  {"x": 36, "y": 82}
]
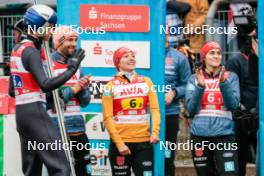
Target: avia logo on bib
[
  {"x": 132, "y": 90},
  {"x": 212, "y": 84}
]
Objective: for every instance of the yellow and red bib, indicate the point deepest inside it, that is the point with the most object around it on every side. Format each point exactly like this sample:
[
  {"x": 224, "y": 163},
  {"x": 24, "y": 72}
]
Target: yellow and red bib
[{"x": 130, "y": 100}]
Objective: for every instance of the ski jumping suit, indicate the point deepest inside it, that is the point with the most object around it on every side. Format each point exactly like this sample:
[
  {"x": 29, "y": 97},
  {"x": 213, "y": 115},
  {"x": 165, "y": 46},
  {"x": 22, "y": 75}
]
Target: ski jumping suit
[
  {"x": 33, "y": 123},
  {"x": 177, "y": 73},
  {"x": 74, "y": 121},
  {"x": 127, "y": 120},
  {"x": 212, "y": 124}
]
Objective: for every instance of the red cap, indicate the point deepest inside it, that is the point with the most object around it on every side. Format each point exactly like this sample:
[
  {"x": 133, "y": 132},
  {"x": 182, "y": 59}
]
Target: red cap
[
  {"x": 118, "y": 54},
  {"x": 207, "y": 47}
]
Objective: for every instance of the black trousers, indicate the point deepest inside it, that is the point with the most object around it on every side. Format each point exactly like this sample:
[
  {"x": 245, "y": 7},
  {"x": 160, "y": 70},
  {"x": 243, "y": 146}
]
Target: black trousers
[
  {"x": 246, "y": 135},
  {"x": 82, "y": 157},
  {"x": 35, "y": 127},
  {"x": 141, "y": 160},
  {"x": 209, "y": 161},
  {"x": 171, "y": 130}
]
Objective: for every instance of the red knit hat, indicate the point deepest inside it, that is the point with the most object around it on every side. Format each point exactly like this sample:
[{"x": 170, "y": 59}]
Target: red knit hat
[
  {"x": 207, "y": 47},
  {"x": 118, "y": 54}
]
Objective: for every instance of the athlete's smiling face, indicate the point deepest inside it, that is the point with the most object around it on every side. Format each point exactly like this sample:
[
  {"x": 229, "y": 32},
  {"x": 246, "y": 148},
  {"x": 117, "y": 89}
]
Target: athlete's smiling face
[
  {"x": 128, "y": 62},
  {"x": 68, "y": 46},
  {"x": 213, "y": 58}
]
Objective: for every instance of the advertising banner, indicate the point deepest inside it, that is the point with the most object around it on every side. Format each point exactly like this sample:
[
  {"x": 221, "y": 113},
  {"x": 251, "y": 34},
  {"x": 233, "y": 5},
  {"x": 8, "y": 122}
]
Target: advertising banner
[
  {"x": 100, "y": 53},
  {"x": 7, "y": 103},
  {"x": 260, "y": 162},
  {"x": 118, "y": 18},
  {"x": 104, "y": 26}
]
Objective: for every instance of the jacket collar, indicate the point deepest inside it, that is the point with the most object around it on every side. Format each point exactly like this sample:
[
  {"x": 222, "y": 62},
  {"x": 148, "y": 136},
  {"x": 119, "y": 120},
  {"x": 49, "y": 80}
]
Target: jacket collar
[
  {"x": 212, "y": 75},
  {"x": 36, "y": 41},
  {"x": 128, "y": 76},
  {"x": 58, "y": 57}
]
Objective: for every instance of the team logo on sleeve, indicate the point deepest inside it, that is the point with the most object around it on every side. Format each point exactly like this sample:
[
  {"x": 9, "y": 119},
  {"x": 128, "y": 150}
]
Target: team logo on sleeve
[
  {"x": 168, "y": 61},
  {"x": 18, "y": 83}
]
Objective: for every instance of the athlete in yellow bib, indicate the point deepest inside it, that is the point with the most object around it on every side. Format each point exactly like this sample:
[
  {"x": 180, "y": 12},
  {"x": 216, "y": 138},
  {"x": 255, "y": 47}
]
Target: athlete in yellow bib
[{"x": 125, "y": 109}]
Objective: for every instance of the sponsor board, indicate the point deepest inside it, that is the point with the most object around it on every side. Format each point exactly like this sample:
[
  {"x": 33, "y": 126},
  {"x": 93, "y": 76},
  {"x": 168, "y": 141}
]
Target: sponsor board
[
  {"x": 96, "y": 88},
  {"x": 95, "y": 127},
  {"x": 7, "y": 103},
  {"x": 100, "y": 162},
  {"x": 100, "y": 53},
  {"x": 12, "y": 151},
  {"x": 115, "y": 18}
]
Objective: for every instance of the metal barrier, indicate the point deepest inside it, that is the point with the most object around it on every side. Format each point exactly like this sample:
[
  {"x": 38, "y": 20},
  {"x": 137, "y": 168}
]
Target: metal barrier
[
  {"x": 7, "y": 34},
  {"x": 219, "y": 18}
]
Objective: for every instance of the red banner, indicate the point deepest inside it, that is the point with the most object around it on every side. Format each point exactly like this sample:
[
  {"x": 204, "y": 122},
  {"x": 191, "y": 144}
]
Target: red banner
[
  {"x": 118, "y": 18},
  {"x": 7, "y": 103}
]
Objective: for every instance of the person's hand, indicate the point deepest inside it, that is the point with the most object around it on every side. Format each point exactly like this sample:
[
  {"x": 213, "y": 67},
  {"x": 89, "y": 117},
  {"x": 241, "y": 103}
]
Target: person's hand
[
  {"x": 124, "y": 150},
  {"x": 200, "y": 77},
  {"x": 223, "y": 75},
  {"x": 154, "y": 139},
  {"x": 169, "y": 96},
  {"x": 81, "y": 84},
  {"x": 76, "y": 59},
  {"x": 84, "y": 81}
]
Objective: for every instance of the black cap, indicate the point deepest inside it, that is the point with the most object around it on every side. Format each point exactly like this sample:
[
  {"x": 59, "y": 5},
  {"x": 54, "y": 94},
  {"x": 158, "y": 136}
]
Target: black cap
[{"x": 18, "y": 26}]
